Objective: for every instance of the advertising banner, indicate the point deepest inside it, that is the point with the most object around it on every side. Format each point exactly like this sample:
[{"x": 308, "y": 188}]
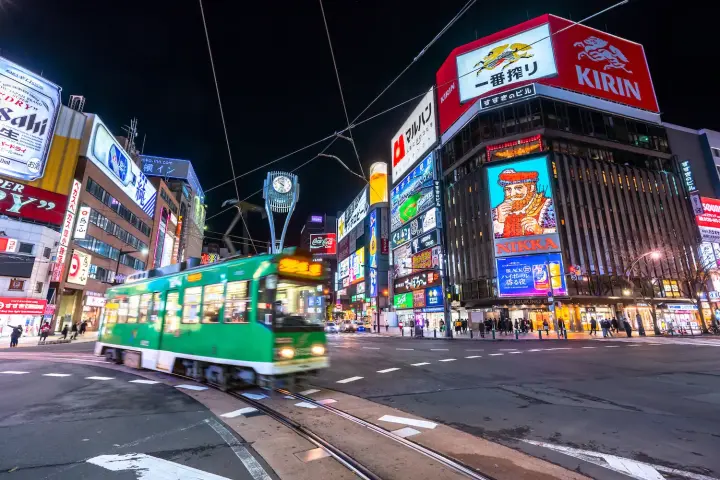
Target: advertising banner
[
  {"x": 531, "y": 275},
  {"x": 105, "y": 152},
  {"x": 8, "y": 245},
  {"x": 66, "y": 232},
  {"x": 522, "y": 207},
  {"x": 344, "y": 268},
  {"x": 403, "y": 300},
  {"x": 584, "y": 60},
  {"x": 421, "y": 224},
  {"x": 433, "y": 297},
  {"x": 79, "y": 268},
  {"x": 506, "y": 62},
  {"x": 417, "y": 135},
  {"x": 353, "y": 215},
  {"x": 378, "y": 183},
  {"x": 418, "y": 298},
  {"x": 29, "y": 106},
  {"x": 22, "y": 306},
  {"x": 417, "y": 281},
  {"x": 413, "y": 194},
  {"x": 323, "y": 244},
  {"x": 427, "y": 259},
  {"x": 373, "y": 246},
  {"x": 172, "y": 168},
  {"x": 709, "y": 255},
  {"x": 357, "y": 266},
  {"x": 373, "y": 283},
  {"x": 515, "y": 148},
  {"x": 425, "y": 241},
  {"x": 26, "y": 201},
  {"x": 82, "y": 222},
  {"x": 709, "y": 222},
  {"x": 402, "y": 261}
]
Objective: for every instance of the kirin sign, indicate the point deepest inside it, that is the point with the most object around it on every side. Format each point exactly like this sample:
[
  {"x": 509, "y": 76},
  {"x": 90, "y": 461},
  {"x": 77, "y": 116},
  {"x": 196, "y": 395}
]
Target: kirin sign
[{"x": 323, "y": 244}]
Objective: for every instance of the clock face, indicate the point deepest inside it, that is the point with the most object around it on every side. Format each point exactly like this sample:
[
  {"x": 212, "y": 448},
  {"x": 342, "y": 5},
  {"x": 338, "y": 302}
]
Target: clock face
[{"x": 282, "y": 184}]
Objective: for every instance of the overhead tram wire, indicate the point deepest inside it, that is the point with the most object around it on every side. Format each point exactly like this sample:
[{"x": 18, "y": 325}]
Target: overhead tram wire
[
  {"x": 342, "y": 97},
  {"x": 222, "y": 115},
  {"x": 357, "y": 123},
  {"x": 334, "y": 136}
]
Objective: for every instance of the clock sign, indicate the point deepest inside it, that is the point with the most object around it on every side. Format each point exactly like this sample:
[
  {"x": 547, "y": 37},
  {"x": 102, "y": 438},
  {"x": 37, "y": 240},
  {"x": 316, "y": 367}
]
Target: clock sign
[{"x": 282, "y": 184}]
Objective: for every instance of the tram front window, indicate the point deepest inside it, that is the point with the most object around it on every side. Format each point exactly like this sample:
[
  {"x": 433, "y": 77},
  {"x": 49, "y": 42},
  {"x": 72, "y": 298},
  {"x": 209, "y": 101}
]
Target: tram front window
[{"x": 298, "y": 304}]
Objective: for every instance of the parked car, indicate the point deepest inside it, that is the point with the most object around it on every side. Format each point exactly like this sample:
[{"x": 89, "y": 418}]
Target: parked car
[{"x": 332, "y": 327}]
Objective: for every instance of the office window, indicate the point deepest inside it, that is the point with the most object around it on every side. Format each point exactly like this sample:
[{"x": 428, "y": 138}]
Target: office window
[
  {"x": 38, "y": 287},
  {"x": 237, "y": 302},
  {"x": 133, "y": 306},
  {"x": 47, "y": 252},
  {"x": 25, "y": 248},
  {"x": 191, "y": 305},
  {"x": 212, "y": 301},
  {"x": 715, "y": 152}
]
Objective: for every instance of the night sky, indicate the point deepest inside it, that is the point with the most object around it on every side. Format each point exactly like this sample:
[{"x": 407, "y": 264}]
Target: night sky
[{"x": 148, "y": 59}]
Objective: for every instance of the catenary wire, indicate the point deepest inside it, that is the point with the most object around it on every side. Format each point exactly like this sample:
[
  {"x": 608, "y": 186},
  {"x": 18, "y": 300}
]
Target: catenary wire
[
  {"x": 356, "y": 123},
  {"x": 342, "y": 97}
]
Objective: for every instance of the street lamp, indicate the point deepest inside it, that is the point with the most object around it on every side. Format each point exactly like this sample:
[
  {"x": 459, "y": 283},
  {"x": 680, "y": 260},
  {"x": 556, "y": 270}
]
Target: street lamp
[
  {"x": 655, "y": 255},
  {"x": 143, "y": 251}
]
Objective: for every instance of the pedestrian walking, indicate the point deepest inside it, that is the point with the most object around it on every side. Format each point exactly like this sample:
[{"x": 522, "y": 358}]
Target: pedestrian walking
[
  {"x": 546, "y": 327},
  {"x": 15, "y": 336},
  {"x": 481, "y": 329},
  {"x": 74, "y": 330},
  {"x": 615, "y": 324},
  {"x": 464, "y": 326},
  {"x": 83, "y": 327},
  {"x": 603, "y": 327},
  {"x": 44, "y": 332},
  {"x": 64, "y": 331},
  {"x": 593, "y": 326},
  {"x": 517, "y": 325},
  {"x": 387, "y": 327},
  {"x": 628, "y": 328},
  {"x": 561, "y": 327}
]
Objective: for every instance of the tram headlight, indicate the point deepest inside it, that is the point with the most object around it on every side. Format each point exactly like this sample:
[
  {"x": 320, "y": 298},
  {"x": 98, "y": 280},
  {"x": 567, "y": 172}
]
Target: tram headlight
[
  {"x": 317, "y": 350},
  {"x": 287, "y": 352}
]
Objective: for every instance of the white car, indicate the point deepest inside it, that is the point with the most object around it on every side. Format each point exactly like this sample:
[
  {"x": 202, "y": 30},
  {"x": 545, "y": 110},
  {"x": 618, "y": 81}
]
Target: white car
[{"x": 332, "y": 327}]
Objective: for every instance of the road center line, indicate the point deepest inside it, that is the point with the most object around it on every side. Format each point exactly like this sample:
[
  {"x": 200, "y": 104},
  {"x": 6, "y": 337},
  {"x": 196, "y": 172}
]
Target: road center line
[
  {"x": 371, "y": 348},
  {"x": 447, "y": 360},
  {"x": 14, "y": 372},
  {"x": 253, "y": 467},
  {"x": 387, "y": 370},
  {"x": 612, "y": 346},
  {"x": 309, "y": 392},
  {"x": 536, "y": 350},
  {"x": 474, "y": 356},
  {"x": 515, "y": 352},
  {"x": 496, "y": 354},
  {"x": 56, "y": 374},
  {"x": 109, "y": 378},
  {"x": 404, "y": 349},
  {"x": 348, "y": 380},
  {"x": 419, "y": 364},
  {"x": 474, "y": 350},
  {"x": 439, "y": 349},
  {"x": 589, "y": 347}
]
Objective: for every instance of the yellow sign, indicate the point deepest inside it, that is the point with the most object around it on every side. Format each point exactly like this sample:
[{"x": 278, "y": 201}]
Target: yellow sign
[
  {"x": 300, "y": 267},
  {"x": 194, "y": 277},
  {"x": 378, "y": 183}
]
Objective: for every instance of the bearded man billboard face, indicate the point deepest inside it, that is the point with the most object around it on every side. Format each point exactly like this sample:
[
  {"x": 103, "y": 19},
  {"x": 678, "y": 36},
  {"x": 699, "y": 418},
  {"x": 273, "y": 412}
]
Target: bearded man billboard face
[{"x": 521, "y": 198}]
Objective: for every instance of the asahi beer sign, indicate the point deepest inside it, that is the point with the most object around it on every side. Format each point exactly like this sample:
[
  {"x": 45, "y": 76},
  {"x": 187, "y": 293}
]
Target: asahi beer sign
[
  {"x": 323, "y": 244},
  {"x": 29, "y": 105},
  {"x": 417, "y": 135},
  {"x": 355, "y": 213}
]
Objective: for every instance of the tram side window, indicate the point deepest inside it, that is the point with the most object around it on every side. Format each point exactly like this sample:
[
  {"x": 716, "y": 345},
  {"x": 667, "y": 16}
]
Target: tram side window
[
  {"x": 111, "y": 312},
  {"x": 172, "y": 312},
  {"x": 145, "y": 300},
  {"x": 156, "y": 307},
  {"x": 122, "y": 310},
  {"x": 191, "y": 305},
  {"x": 133, "y": 306},
  {"x": 212, "y": 302},
  {"x": 237, "y": 302}
]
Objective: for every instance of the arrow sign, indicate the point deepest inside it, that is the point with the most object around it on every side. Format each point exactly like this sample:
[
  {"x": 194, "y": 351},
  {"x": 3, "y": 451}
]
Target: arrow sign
[{"x": 151, "y": 468}]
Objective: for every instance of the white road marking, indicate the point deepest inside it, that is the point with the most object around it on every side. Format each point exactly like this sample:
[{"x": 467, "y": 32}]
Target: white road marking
[
  {"x": 626, "y": 466},
  {"x": 372, "y": 348},
  {"x": 514, "y": 352},
  {"x": 348, "y": 380},
  {"x": 149, "y": 468},
  {"x": 257, "y": 472},
  {"x": 588, "y": 347},
  {"x": 474, "y": 350},
  {"x": 474, "y": 356},
  {"x": 419, "y": 364},
  {"x": 447, "y": 360},
  {"x": 439, "y": 349},
  {"x": 651, "y": 343},
  {"x": 237, "y": 413},
  {"x": 496, "y": 354},
  {"x": 144, "y": 382},
  {"x": 309, "y": 392},
  {"x": 612, "y": 346},
  {"x": 99, "y": 378},
  {"x": 404, "y": 349},
  {"x": 508, "y": 349},
  {"x": 635, "y": 345},
  {"x": 408, "y": 421},
  {"x": 405, "y": 432},
  {"x": 536, "y": 350},
  {"x": 388, "y": 370},
  {"x": 305, "y": 405},
  {"x": 14, "y": 372},
  {"x": 191, "y": 387},
  {"x": 254, "y": 396},
  {"x": 56, "y": 374},
  {"x": 326, "y": 401},
  {"x": 289, "y": 397}
]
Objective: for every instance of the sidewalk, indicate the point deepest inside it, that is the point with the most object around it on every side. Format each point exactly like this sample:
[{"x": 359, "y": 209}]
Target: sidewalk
[
  {"x": 32, "y": 341},
  {"x": 552, "y": 335}
]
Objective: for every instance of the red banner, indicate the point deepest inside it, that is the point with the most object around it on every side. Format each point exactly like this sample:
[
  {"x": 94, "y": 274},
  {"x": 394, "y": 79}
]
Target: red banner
[
  {"x": 21, "y": 306},
  {"x": 20, "y": 200},
  {"x": 323, "y": 243}
]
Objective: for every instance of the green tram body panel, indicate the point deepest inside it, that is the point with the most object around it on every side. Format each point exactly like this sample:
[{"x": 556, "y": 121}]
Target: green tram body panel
[{"x": 241, "y": 343}]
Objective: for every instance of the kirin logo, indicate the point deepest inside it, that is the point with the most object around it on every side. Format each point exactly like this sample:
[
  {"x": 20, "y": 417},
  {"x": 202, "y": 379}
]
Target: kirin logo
[{"x": 599, "y": 50}]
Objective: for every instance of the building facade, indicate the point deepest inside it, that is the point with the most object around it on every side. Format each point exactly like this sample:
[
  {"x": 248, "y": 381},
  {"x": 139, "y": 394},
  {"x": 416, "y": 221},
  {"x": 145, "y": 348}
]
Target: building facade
[{"x": 562, "y": 204}]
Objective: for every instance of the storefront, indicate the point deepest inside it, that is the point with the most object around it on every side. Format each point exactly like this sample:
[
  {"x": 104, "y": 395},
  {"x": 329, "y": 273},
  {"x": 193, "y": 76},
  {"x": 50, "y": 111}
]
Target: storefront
[
  {"x": 679, "y": 319},
  {"x": 25, "y": 312},
  {"x": 93, "y": 309}
]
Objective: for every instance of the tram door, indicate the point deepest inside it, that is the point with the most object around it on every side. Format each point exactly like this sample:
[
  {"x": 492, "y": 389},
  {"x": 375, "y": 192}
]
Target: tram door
[{"x": 169, "y": 329}]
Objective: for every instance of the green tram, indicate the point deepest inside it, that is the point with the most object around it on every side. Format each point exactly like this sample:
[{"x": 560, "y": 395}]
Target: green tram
[{"x": 255, "y": 320}]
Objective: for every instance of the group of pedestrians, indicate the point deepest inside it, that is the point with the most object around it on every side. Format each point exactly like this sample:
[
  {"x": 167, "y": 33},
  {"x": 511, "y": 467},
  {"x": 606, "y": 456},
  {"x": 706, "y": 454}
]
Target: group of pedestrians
[
  {"x": 75, "y": 330},
  {"x": 610, "y": 327}
]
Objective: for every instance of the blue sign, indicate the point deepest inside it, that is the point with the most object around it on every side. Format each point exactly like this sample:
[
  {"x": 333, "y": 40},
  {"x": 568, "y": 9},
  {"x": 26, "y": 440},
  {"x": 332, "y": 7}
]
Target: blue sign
[
  {"x": 373, "y": 247},
  {"x": 373, "y": 283},
  {"x": 531, "y": 275},
  {"x": 172, "y": 168},
  {"x": 414, "y": 194},
  {"x": 434, "y": 296}
]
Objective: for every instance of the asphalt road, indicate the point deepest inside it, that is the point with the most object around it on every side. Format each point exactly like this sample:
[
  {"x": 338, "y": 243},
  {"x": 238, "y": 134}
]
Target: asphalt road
[
  {"x": 51, "y": 427},
  {"x": 654, "y": 403}
]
